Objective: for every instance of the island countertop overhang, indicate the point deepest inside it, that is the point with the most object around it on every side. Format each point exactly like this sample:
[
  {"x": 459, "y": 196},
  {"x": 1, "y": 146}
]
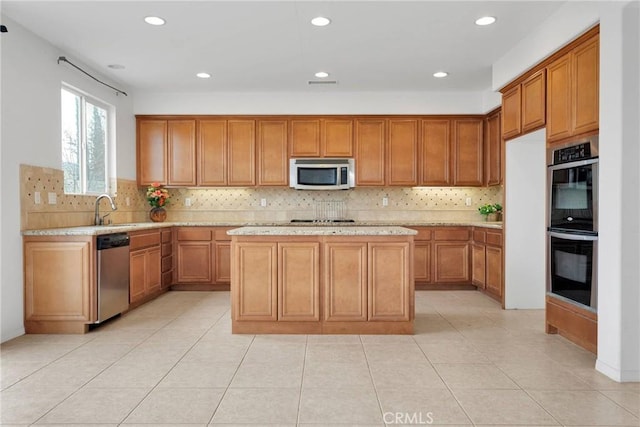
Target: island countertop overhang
[{"x": 323, "y": 231}]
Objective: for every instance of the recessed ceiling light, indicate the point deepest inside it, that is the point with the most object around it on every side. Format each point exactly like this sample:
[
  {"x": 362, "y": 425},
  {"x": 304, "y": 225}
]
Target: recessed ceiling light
[
  {"x": 322, "y": 74},
  {"x": 154, "y": 20},
  {"x": 485, "y": 20},
  {"x": 116, "y": 66},
  {"x": 320, "y": 21},
  {"x": 203, "y": 75},
  {"x": 440, "y": 74}
]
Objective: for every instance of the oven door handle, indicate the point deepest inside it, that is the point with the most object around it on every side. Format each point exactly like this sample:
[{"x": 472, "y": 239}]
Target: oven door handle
[{"x": 567, "y": 236}]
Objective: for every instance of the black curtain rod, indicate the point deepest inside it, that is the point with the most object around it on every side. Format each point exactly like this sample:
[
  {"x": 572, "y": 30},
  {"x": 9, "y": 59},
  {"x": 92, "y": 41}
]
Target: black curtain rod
[{"x": 64, "y": 59}]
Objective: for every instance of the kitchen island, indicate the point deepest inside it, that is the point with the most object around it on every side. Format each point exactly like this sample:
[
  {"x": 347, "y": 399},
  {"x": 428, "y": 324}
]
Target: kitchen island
[{"x": 322, "y": 280}]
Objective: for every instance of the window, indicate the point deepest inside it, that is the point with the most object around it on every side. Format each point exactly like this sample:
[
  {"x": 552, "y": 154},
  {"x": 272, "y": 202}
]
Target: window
[{"x": 86, "y": 124}]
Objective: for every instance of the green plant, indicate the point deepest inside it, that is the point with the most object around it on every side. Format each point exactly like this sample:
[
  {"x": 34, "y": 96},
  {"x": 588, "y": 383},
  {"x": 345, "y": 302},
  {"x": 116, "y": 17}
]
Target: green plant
[{"x": 490, "y": 208}]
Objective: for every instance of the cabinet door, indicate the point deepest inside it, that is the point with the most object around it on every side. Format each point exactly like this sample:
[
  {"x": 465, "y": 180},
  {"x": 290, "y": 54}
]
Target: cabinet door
[
  {"x": 478, "y": 265},
  {"x": 586, "y": 79},
  {"x": 559, "y": 99},
  {"x": 241, "y": 147},
  {"x": 402, "y": 152},
  {"x": 153, "y": 270},
  {"x": 494, "y": 270},
  {"x": 152, "y": 152},
  {"x": 212, "y": 152},
  {"x": 511, "y": 113},
  {"x": 305, "y": 138},
  {"x": 390, "y": 281},
  {"x": 137, "y": 275},
  {"x": 273, "y": 169},
  {"x": 468, "y": 152},
  {"x": 337, "y": 138},
  {"x": 493, "y": 150},
  {"x": 299, "y": 281},
  {"x": 435, "y": 152},
  {"x": 59, "y": 282},
  {"x": 223, "y": 262},
  {"x": 451, "y": 262},
  {"x": 194, "y": 262},
  {"x": 181, "y": 137},
  {"x": 345, "y": 278},
  {"x": 534, "y": 101},
  {"x": 256, "y": 270},
  {"x": 370, "y": 152},
  {"x": 422, "y": 262}
]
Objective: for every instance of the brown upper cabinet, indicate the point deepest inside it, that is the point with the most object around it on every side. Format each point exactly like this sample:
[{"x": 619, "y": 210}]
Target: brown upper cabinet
[
  {"x": 272, "y": 168},
  {"x": 370, "y": 152},
  {"x": 212, "y": 152},
  {"x": 468, "y": 152},
  {"x": 523, "y": 106},
  {"x": 435, "y": 152},
  {"x": 402, "y": 152},
  {"x": 572, "y": 92},
  {"x": 330, "y": 137},
  {"x": 493, "y": 150},
  {"x": 166, "y": 152}
]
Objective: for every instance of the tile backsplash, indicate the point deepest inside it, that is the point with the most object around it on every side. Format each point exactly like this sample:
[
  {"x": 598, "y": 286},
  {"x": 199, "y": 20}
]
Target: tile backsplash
[{"x": 246, "y": 204}]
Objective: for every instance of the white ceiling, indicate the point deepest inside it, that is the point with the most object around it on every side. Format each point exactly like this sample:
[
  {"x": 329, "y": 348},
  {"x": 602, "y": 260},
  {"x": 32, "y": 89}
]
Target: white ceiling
[{"x": 271, "y": 46}]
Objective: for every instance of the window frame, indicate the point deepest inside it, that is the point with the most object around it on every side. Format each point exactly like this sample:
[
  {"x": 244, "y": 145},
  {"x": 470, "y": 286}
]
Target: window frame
[{"x": 109, "y": 130}]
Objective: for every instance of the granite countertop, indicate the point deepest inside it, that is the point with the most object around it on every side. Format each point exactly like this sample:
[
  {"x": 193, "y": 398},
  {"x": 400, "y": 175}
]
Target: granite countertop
[
  {"x": 323, "y": 231},
  {"x": 94, "y": 230}
]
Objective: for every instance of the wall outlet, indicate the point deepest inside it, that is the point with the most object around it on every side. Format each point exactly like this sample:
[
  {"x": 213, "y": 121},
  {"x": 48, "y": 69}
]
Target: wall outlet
[
  {"x": 467, "y": 202},
  {"x": 385, "y": 201},
  {"x": 36, "y": 198},
  {"x": 53, "y": 199},
  {"x": 263, "y": 203},
  {"x": 187, "y": 201},
  {"x": 127, "y": 201}
]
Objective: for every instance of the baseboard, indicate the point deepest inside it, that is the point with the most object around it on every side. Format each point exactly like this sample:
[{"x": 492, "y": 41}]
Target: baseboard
[{"x": 621, "y": 376}]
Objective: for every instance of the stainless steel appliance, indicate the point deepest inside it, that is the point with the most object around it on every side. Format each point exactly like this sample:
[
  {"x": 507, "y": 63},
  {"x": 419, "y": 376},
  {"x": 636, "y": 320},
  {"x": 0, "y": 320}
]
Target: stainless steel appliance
[
  {"x": 572, "y": 233},
  {"x": 322, "y": 174},
  {"x": 113, "y": 274}
]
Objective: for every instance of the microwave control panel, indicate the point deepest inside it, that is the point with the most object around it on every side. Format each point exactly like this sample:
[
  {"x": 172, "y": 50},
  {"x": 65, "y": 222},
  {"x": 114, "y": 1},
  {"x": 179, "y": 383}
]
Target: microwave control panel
[{"x": 572, "y": 154}]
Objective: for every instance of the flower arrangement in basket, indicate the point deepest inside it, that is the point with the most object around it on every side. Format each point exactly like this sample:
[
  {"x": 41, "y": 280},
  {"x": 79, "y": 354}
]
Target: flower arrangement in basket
[{"x": 157, "y": 196}]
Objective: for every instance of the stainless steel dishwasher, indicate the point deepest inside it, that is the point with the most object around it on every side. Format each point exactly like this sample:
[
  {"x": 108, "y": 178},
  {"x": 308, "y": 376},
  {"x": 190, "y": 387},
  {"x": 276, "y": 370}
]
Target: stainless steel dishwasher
[{"x": 113, "y": 274}]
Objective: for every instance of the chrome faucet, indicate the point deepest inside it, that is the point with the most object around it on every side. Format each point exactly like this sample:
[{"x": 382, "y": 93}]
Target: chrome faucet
[{"x": 97, "y": 220}]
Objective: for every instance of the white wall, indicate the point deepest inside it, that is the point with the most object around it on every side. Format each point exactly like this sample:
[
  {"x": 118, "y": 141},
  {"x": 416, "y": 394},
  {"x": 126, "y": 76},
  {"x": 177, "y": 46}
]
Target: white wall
[
  {"x": 30, "y": 86},
  {"x": 321, "y": 101},
  {"x": 618, "y": 300},
  {"x": 525, "y": 206}
]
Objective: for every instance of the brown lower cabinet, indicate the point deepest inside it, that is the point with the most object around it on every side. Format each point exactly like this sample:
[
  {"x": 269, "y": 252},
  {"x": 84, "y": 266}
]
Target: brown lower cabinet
[
  {"x": 145, "y": 265},
  {"x": 202, "y": 258},
  {"x": 487, "y": 265},
  {"x": 360, "y": 284}
]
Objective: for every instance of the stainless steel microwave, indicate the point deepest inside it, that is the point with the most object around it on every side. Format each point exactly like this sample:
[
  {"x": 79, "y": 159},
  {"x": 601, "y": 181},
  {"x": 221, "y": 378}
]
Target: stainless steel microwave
[{"x": 322, "y": 174}]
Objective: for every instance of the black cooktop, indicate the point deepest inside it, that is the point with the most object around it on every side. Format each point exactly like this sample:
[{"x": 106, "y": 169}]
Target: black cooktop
[{"x": 322, "y": 220}]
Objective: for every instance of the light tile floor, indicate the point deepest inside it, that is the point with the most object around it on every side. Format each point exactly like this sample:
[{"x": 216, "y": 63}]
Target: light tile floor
[{"x": 174, "y": 362}]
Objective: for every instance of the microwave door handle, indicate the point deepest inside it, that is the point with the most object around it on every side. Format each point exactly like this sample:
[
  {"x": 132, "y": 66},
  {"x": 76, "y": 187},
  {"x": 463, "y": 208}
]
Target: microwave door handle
[{"x": 567, "y": 236}]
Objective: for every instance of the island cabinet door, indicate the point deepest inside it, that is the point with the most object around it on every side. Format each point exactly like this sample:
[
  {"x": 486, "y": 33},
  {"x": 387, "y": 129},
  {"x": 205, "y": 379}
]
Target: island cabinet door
[
  {"x": 390, "y": 281},
  {"x": 254, "y": 282},
  {"x": 299, "y": 281},
  {"x": 345, "y": 278}
]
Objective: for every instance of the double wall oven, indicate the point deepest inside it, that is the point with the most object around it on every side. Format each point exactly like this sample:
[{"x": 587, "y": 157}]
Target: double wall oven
[{"x": 572, "y": 220}]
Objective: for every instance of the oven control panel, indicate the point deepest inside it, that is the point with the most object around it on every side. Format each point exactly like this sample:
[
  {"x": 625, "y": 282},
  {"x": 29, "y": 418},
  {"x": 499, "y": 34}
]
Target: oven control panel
[{"x": 572, "y": 154}]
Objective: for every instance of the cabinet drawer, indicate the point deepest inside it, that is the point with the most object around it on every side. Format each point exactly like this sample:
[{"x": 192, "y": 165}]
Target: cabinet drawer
[
  {"x": 167, "y": 263},
  {"x": 194, "y": 233},
  {"x": 479, "y": 236},
  {"x": 447, "y": 234},
  {"x": 137, "y": 241},
  {"x": 166, "y": 236},
  {"x": 424, "y": 233},
  {"x": 167, "y": 249},
  {"x": 494, "y": 238},
  {"x": 221, "y": 233}
]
